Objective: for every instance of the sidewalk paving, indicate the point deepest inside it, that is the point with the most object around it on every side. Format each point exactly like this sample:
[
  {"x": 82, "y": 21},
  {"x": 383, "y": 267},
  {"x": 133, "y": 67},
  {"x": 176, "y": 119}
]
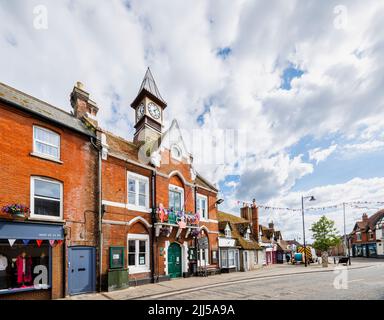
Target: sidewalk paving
[{"x": 162, "y": 289}]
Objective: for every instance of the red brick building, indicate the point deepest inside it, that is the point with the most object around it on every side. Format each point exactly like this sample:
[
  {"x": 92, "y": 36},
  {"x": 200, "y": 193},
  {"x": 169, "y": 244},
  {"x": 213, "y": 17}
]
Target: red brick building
[
  {"x": 159, "y": 213},
  {"x": 49, "y": 165}
]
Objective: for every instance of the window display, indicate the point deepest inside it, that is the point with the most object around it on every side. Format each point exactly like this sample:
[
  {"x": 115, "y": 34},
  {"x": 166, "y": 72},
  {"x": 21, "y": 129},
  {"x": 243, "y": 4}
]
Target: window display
[{"x": 21, "y": 265}]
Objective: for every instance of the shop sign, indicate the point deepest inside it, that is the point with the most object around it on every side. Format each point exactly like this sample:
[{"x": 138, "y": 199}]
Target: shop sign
[{"x": 223, "y": 242}]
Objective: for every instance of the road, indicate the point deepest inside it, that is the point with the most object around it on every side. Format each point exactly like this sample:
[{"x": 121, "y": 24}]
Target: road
[{"x": 359, "y": 284}]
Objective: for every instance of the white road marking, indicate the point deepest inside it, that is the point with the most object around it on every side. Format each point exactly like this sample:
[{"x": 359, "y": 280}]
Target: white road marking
[{"x": 356, "y": 280}]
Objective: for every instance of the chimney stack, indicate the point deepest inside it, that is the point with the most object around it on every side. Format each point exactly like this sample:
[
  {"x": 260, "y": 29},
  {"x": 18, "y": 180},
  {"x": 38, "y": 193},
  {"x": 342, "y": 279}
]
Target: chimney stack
[
  {"x": 365, "y": 217},
  {"x": 82, "y": 105},
  {"x": 271, "y": 225},
  {"x": 255, "y": 220},
  {"x": 245, "y": 213}
]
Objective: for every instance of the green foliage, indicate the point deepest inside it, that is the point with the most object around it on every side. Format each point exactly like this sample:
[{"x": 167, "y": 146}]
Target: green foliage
[{"x": 325, "y": 234}]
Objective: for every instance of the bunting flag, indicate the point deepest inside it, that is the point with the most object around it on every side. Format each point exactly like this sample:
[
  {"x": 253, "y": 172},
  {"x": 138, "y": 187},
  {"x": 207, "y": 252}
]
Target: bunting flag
[
  {"x": 11, "y": 242},
  {"x": 52, "y": 243},
  {"x": 59, "y": 242},
  {"x": 26, "y": 242},
  {"x": 39, "y": 242}
]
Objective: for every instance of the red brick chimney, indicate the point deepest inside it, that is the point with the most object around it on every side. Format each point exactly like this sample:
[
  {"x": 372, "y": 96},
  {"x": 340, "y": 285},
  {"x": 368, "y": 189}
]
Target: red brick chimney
[
  {"x": 365, "y": 217},
  {"x": 82, "y": 105},
  {"x": 245, "y": 213},
  {"x": 255, "y": 220}
]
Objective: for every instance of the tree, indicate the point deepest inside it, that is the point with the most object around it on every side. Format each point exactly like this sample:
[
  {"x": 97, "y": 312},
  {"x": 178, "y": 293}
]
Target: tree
[{"x": 325, "y": 235}]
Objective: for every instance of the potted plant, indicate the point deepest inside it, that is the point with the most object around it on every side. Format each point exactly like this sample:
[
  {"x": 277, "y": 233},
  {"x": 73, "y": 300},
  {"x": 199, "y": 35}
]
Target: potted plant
[{"x": 17, "y": 210}]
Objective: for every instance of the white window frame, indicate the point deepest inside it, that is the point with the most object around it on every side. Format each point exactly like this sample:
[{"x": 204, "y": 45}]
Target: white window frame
[
  {"x": 137, "y": 178},
  {"x": 199, "y": 198},
  {"x": 203, "y": 262},
  {"x": 247, "y": 234},
  {"x": 44, "y": 155},
  {"x": 358, "y": 236},
  {"x": 32, "y": 199},
  {"x": 172, "y": 187},
  {"x": 179, "y": 150},
  {"x": 138, "y": 268}
]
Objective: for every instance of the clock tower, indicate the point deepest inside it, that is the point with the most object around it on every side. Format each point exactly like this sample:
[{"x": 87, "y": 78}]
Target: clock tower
[{"x": 149, "y": 109}]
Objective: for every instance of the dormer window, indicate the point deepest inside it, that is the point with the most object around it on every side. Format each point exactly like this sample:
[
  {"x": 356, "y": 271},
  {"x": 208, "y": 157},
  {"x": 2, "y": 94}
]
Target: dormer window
[
  {"x": 370, "y": 235},
  {"x": 227, "y": 231},
  {"x": 247, "y": 234},
  {"x": 358, "y": 236},
  {"x": 176, "y": 153}
]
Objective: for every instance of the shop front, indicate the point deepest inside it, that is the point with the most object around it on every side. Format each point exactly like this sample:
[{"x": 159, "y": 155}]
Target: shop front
[
  {"x": 29, "y": 253},
  {"x": 364, "y": 250},
  {"x": 229, "y": 255}
]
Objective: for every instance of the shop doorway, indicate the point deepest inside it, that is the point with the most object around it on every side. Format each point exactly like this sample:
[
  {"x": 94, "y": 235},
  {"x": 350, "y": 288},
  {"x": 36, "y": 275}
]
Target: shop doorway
[
  {"x": 174, "y": 260},
  {"x": 81, "y": 270}
]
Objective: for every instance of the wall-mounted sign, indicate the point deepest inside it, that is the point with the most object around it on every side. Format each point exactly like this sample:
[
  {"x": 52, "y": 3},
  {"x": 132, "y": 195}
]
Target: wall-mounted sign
[
  {"x": 116, "y": 257},
  {"x": 224, "y": 242}
]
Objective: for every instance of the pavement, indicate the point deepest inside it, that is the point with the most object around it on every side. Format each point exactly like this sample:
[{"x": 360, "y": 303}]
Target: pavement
[{"x": 271, "y": 282}]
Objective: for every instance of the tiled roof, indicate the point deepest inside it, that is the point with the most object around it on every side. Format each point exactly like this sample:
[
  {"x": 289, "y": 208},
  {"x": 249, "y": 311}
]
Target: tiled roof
[
  {"x": 120, "y": 147},
  {"x": 42, "y": 109},
  {"x": 237, "y": 224},
  {"x": 200, "y": 181},
  {"x": 370, "y": 223}
]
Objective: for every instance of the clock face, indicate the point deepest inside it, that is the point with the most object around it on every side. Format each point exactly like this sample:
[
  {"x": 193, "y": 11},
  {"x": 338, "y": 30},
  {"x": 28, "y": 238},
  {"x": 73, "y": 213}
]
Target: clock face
[
  {"x": 154, "y": 110},
  {"x": 140, "y": 111}
]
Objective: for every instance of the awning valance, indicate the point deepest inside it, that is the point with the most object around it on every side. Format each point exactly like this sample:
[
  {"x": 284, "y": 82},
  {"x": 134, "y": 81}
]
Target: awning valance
[{"x": 30, "y": 231}]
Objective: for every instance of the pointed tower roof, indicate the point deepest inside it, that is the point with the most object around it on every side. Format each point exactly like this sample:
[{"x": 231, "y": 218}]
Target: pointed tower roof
[{"x": 149, "y": 87}]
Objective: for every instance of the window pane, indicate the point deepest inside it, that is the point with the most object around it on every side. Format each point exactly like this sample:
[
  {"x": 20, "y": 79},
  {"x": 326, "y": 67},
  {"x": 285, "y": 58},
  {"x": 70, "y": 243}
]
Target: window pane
[
  {"x": 142, "y": 246},
  {"x": 177, "y": 203},
  {"x": 142, "y": 187},
  {"x": 132, "y": 246},
  {"x": 142, "y": 259},
  {"x": 141, "y": 200},
  {"x": 131, "y": 185},
  {"x": 47, "y": 207},
  {"x": 47, "y": 136},
  {"x": 171, "y": 200},
  {"x": 47, "y": 189},
  {"x": 47, "y": 149},
  {"x": 131, "y": 198},
  {"x": 131, "y": 259}
]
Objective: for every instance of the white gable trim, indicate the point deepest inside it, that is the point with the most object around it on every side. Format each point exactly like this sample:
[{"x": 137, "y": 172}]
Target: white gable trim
[{"x": 141, "y": 219}]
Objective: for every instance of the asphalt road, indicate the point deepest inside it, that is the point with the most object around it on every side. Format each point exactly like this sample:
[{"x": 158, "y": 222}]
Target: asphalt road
[{"x": 355, "y": 284}]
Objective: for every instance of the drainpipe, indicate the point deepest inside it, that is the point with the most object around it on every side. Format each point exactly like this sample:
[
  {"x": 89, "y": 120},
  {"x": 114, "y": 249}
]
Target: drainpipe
[
  {"x": 154, "y": 251},
  {"x": 100, "y": 209}
]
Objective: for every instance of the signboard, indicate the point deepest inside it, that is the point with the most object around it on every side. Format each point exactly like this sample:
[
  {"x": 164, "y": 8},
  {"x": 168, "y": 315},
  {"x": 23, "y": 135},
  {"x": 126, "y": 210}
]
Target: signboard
[
  {"x": 31, "y": 231},
  {"x": 116, "y": 255},
  {"x": 223, "y": 242}
]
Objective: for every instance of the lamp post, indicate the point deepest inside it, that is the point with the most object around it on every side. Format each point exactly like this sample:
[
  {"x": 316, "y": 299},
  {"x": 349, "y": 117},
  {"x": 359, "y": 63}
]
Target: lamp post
[
  {"x": 346, "y": 238},
  {"x": 311, "y": 198}
]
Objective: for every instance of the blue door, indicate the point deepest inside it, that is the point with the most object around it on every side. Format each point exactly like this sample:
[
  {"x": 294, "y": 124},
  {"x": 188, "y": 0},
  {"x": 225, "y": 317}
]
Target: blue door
[{"x": 81, "y": 270}]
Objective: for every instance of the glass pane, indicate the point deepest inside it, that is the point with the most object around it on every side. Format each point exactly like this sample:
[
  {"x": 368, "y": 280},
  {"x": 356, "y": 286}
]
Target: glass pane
[
  {"x": 46, "y": 149},
  {"x": 132, "y": 246},
  {"x": 131, "y": 259},
  {"x": 142, "y": 259},
  {"x": 142, "y": 187},
  {"x": 47, "y": 136},
  {"x": 47, "y": 189},
  {"x": 142, "y": 246},
  {"x": 171, "y": 199},
  {"x": 131, "y": 185},
  {"x": 177, "y": 201},
  {"x": 47, "y": 207},
  {"x": 141, "y": 200},
  {"x": 131, "y": 198}
]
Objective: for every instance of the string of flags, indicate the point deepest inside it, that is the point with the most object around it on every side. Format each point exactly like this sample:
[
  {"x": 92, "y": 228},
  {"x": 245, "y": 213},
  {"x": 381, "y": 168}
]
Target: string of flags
[
  {"x": 352, "y": 204},
  {"x": 53, "y": 243}
]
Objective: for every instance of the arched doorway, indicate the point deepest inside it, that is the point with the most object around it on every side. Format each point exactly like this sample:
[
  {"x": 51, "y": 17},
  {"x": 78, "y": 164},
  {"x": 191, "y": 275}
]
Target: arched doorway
[{"x": 174, "y": 260}]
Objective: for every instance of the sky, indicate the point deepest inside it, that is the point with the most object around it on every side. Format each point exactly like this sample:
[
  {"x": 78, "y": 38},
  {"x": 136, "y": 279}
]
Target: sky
[{"x": 292, "y": 91}]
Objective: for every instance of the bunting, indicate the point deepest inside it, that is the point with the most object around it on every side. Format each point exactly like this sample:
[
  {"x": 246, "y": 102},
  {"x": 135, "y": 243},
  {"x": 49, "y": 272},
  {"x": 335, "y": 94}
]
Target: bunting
[
  {"x": 39, "y": 242},
  {"x": 11, "y": 242}
]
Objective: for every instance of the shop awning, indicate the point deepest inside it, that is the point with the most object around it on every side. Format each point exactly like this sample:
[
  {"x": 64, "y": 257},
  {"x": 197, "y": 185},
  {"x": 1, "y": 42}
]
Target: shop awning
[{"x": 30, "y": 231}]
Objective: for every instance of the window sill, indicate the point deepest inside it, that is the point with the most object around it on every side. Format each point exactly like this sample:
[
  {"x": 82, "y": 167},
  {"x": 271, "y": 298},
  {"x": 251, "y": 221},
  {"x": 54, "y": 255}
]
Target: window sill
[
  {"x": 46, "y": 219},
  {"x": 140, "y": 209},
  {"x": 42, "y": 156},
  {"x": 135, "y": 270}
]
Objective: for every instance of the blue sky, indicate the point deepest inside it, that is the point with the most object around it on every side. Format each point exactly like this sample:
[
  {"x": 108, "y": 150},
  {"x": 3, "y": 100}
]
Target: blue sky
[{"x": 307, "y": 92}]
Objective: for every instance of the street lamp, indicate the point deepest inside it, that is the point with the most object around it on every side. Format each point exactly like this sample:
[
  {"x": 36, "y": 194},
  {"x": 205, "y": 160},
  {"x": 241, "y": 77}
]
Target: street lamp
[{"x": 311, "y": 198}]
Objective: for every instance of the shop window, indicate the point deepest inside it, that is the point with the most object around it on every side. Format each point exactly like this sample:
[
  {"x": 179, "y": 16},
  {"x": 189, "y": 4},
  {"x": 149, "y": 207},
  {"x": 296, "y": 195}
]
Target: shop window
[
  {"x": 24, "y": 267},
  {"x": 202, "y": 206},
  {"x": 138, "y": 253},
  {"x": 138, "y": 192},
  {"x": 46, "y": 143},
  {"x": 224, "y": 258},
  {"x": 176, "y": 198},
  {"x": 46, "y": 198},
  {"x": 231, "y": 258}
]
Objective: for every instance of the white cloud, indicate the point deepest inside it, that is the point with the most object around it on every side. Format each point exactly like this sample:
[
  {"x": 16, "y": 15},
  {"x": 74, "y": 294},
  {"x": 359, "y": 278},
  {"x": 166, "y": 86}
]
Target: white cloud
[{"x": 319, "y": 154}]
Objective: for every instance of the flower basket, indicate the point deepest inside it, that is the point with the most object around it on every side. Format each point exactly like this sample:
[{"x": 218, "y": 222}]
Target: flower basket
[{"x": 16, "y": 210}]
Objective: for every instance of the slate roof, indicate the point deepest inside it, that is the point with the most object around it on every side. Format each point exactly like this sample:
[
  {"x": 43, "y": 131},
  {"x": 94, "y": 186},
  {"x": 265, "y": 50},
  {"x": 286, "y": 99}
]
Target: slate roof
[
  {"x": 42, "y": 109},
  {"x": 121, "y": 147},
  {"x": 238, "y": 226},
  {"x": 200, "y": 181},
  {"x": 370, "y": 223}
]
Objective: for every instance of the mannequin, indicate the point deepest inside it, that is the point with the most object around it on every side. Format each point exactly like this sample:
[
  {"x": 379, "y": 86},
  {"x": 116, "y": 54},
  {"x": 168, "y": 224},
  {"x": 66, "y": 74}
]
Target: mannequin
[
  {"x": 3, "y": 271},
  {"x": 24, "y": 269}
]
